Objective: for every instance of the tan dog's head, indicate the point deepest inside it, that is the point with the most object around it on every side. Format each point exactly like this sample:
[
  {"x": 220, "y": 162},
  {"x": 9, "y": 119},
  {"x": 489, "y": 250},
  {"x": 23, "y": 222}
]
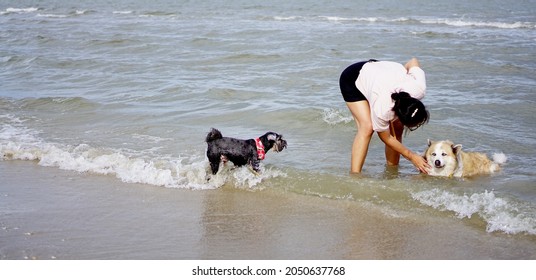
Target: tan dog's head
[{"x": 442, "y": 156}]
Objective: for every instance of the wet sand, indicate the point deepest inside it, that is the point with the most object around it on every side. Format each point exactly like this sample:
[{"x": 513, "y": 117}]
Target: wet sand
[{"x": 46, "y": 213}]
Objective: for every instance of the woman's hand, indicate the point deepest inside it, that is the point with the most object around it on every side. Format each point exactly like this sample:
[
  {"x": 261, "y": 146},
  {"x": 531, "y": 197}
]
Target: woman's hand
[
  {"x": 394, "y": 144},
  {"x": 420, "y": 163}
]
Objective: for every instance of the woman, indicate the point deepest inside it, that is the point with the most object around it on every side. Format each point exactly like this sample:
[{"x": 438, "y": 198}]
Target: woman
[{"x": 383, "y": 97}]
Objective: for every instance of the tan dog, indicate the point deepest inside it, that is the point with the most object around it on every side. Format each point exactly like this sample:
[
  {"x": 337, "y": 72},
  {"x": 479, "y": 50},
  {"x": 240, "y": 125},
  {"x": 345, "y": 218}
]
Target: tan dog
[{"x": 447, "y": 159}]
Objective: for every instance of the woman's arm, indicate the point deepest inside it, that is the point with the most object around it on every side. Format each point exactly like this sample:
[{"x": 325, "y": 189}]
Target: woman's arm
[
  {"x": 394, "y": 144},
  {"x": 416, "y": 86},
  {"x": 412, "y": 63}
]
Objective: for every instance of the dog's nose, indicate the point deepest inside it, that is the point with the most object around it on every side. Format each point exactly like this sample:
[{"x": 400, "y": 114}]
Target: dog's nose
[{"x": 437, "y": 163}]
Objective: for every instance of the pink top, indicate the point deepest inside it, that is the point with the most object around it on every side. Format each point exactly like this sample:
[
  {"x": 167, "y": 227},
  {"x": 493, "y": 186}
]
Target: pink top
[{"x": 378, "y": 80}]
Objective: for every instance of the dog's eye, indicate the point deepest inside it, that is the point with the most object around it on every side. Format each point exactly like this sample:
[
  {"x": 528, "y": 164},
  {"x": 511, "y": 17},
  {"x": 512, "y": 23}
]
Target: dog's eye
[
  {"x": 434, "y": 154},
  {"x": 443, "y": 154}
]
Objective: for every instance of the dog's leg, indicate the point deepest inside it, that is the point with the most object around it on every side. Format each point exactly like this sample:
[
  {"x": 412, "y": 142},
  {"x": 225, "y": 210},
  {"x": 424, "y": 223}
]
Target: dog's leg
[
  {"x": 255, "y": 165},
  {"x": 214, "y": 166}
]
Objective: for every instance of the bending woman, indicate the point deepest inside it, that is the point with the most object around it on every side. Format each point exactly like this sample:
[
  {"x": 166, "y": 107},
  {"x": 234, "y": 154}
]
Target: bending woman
[{"x": 384, "y": 97}]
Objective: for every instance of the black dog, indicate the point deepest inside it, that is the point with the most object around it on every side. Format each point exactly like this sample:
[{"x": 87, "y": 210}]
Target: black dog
[{"x": 240, "y": 152}]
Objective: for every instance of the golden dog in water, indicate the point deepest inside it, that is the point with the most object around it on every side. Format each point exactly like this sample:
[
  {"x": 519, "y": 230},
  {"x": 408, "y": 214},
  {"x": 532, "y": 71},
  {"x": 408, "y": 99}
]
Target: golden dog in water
[{"x": 447, "y": 159}]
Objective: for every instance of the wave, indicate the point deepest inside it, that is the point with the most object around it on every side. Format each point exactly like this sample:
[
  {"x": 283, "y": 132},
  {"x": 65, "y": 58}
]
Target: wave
[
  {"x": 456, "y": 22},
  {"x": 20, "y": 10},
  {"x": 498, "y": 213},
  {"x": 427, "y": 21},
  {"x": 45, "y": 15},
  {"x": 70, "y": 14},
  {"x": 191, "y": 172},
  {"x": 356, "y": 19},
  {"x": 334, "y": 117},
  {"x": 122, "y": 12},
  {"x": 281, "y": 18},
  {"x": 59, "y": 104},
  {"x": 52, "y": 15},
  {"x": 464, "y": 23},
  {"x": 157, "y": 14}
]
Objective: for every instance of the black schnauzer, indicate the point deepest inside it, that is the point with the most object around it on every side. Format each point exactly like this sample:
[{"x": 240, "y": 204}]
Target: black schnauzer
[{"x": 240, "y": 152}]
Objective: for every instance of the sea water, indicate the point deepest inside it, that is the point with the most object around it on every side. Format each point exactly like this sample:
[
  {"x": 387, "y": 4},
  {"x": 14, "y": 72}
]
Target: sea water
[{"x": 129, "y": 89}]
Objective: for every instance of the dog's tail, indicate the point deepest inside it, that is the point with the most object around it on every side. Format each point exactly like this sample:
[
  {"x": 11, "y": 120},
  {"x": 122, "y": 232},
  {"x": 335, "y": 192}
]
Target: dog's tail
[
  {"x": 214, "y": 134},
  {"x": 499, "y": 158}
]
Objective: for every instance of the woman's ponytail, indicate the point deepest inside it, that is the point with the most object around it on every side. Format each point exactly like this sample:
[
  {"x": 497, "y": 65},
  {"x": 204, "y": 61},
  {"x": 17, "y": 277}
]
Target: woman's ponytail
[{"x": 399, "y": 95}]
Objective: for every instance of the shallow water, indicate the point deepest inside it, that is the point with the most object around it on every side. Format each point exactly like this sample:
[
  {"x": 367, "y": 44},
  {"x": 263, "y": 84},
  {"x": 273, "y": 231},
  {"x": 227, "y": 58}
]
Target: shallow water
[
  {"x": 58, "y": 214},
  {"x": 130, "y": 89}
]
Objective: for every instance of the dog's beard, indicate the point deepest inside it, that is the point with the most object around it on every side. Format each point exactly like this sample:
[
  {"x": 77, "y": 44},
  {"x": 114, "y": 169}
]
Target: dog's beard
[{"x": 279, "y": 146}]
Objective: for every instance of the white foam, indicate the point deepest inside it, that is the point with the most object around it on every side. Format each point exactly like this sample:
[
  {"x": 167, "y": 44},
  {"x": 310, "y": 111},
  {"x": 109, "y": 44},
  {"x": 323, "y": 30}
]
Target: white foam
[
  {"x": 280, "y": 18},
  {"x": 469, "y": 23},
  {"x": 343, "y": 19},
  {"x": 499, "y": 158},
  {"x": 499, "y": 214},
  {"x": 245, "y": 178},
  {"x": 334, "y": 116},
  {"x": 52, "y": 15},
  {"x": 20, "y": 143},
  {"x": 122, "y": 12},
  {"x": 22, "y": 10},
  {"x": 440, "y": 21}
]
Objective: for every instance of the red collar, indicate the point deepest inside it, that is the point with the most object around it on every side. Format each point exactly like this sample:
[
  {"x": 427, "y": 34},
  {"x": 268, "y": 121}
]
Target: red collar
[{"x": 261, "y": 154}]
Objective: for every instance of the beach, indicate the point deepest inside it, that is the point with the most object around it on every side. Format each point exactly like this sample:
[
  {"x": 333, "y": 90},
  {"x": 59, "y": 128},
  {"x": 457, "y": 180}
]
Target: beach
[
  {"x": 105, "y": 108},
  {"x": 55, "y": 214}
]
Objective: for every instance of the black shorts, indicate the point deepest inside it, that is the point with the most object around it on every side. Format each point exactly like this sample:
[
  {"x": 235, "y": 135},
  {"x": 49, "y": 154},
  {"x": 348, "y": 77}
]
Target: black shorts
[{"x": 349, "y": 91}]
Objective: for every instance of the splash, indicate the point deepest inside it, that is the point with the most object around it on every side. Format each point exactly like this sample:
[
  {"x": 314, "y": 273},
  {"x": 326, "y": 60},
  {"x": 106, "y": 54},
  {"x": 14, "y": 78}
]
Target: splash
[
  {"x": 499, "y": 214},
  {"x": 334, "y": 117},
  {"x": 191, "y": 172}
]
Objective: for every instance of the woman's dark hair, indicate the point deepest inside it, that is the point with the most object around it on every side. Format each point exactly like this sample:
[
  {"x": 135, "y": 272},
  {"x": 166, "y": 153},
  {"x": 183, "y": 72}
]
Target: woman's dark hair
[{"x": 410, "y": 111}]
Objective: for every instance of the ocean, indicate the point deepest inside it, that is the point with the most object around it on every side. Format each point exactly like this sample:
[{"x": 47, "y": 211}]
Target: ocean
[{"x": 128, "y": 90}]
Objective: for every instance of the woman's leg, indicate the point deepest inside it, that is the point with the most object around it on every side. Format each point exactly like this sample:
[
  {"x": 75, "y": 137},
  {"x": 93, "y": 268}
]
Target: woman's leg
[
  {"x": 361, "y": 113},
  {"x": 391, "y": 156}
]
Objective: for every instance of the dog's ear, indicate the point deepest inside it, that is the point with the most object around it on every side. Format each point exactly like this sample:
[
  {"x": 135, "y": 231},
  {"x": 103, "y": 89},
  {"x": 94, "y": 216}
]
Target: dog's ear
[
  {"x": 429, "y": 142},
  {"x": 457, "y": 148},
  {"x": 271, "y": 136}
]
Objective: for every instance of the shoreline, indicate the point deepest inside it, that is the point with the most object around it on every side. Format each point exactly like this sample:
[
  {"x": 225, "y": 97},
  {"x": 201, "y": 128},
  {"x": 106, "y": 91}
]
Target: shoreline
[{"x": 48, "y": 213}]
